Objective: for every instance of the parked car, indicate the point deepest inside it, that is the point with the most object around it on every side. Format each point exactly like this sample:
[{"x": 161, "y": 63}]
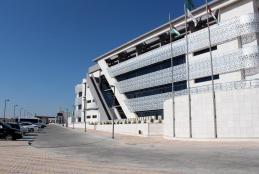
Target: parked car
[
  {"x": 9, "y": 133},
  {"x": 31, "y": 127},
  {"x": 40, "y": 125},
  {"x": 24, "y": 130}
]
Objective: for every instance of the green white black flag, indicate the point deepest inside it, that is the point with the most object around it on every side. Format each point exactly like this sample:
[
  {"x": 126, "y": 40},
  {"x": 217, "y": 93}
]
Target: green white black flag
[{"x": 189, "y": 7}]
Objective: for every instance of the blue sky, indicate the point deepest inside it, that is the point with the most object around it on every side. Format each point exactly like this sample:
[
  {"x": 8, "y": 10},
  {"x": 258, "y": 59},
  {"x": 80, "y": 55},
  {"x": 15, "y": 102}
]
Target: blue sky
[{"x": 46, "y": 46}]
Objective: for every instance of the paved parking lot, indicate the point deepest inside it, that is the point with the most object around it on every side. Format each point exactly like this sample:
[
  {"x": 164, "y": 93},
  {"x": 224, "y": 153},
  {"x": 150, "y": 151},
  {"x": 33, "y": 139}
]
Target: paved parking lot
[
  {"x": 19, "y": 158},
  {"x": 61, "y": 150}
]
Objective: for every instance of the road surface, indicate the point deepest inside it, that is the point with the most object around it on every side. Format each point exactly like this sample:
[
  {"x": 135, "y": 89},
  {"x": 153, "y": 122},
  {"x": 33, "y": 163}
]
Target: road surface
[{"x": 191, "y": 157}]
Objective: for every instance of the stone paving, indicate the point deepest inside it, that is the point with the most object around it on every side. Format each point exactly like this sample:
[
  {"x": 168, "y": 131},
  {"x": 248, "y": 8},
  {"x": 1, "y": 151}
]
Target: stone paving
[
  {"x": 72, "y": 151},
  {"x": 17, "y": 157}
]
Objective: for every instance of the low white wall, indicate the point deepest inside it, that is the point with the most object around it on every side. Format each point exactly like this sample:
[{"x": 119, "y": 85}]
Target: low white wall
[
  {"x": 81, "y": 125},
  {"x": 146, "y": 129},
  {"x": 237, "y": 115}
]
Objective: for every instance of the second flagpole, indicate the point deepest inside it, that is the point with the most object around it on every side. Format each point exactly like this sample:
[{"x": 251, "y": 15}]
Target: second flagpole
[
  {"x": 212, "y": 76},
  {"x": 172, "y": 67},
  {"x": 188, "y": 73}
]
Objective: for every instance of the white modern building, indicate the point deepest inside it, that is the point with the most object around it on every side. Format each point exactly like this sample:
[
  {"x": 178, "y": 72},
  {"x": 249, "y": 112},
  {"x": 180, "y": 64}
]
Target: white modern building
[{"x": 140, "y": 74}]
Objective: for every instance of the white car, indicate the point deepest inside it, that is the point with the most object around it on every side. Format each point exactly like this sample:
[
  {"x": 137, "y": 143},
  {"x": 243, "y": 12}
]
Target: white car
[
  {"x": 31, "y": 127},
  {"x": 24, "y": 129}
]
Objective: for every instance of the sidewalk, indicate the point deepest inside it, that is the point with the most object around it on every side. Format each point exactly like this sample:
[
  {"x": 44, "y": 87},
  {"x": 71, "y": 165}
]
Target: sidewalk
[
  {"x": 17, "y": 157},
  {"x": 124, "y": 138},
  {"x": 158, "y": 140}
]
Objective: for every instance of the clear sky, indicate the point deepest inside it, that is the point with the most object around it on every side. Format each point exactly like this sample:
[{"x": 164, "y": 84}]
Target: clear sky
[{"x": 46, "y": 46}]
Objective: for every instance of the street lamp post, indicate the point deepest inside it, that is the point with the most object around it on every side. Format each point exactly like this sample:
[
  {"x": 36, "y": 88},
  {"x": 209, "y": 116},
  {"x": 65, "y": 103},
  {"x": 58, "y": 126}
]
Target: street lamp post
[
  {"x": 5, "y": 101},
  {"x": 113, "y": 107},
  {"x": 85, "y": 105},
  {"x": 73, "y": 118},
  {"x": 14, "y": 110},
  {"x": 24, "y": 111},
  {"x": 67, "y": 117},
  {"x": 20, "y": 114}
]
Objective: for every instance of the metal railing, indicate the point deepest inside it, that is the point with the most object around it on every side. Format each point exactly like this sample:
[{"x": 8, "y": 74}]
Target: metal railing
[{"x": 245, "y": 84}]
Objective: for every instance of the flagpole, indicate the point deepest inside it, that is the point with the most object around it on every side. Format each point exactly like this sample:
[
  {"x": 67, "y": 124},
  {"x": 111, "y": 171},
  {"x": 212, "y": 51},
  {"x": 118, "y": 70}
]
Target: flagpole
[
  {"x": 188, "y": 72},
  {"x": 172, "y": 68},
  {"x": 212, "y": 76}
]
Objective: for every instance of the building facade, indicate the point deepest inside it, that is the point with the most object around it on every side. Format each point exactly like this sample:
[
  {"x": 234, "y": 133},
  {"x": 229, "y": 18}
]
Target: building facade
[
  {"x": 137, "y": 78},
  {"x": 86, "y": 109}
]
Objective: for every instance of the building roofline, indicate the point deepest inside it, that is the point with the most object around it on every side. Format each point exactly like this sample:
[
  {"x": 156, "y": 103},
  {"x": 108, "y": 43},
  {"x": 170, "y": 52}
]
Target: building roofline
[
  {"x": 44, "y": 116},
  {"x": 150, "y": 33}
]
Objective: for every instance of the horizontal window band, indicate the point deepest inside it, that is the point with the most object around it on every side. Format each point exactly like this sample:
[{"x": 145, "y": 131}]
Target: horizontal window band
[
  {"x": 152, "y": 68},
  {"x": 243, "y": 58},
  {"x": 205, "y": 79},
  {"x": 157, "y": 90}
]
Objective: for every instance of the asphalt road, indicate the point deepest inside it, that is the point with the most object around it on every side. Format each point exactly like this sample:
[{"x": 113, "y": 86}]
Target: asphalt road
[{"x": 173, "y": 156}]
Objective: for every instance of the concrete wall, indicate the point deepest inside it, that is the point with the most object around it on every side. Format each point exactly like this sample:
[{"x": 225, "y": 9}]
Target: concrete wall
[
  {"x": 237, "y": 115},
  {"x": 240, "y": 7},
  {"x": 146, "y": 129}
]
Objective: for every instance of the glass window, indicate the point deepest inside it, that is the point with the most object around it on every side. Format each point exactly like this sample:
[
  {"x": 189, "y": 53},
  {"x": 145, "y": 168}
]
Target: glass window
[
  {"x": 79, "y": 107},
  {"x": 179, "y": 60},
  {"x": 205, "y": 79},
  {"x": 206, "y": 50},
  {"x": 181, "y": 85},
  {"x": 152, "y": 68},
  {"x": 150, "y": 113}
]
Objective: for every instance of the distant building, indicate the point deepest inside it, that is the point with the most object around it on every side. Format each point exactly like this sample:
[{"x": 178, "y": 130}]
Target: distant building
[
  {"x": 61, "y": 118},
  {"x": 45, "y": 119}
]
